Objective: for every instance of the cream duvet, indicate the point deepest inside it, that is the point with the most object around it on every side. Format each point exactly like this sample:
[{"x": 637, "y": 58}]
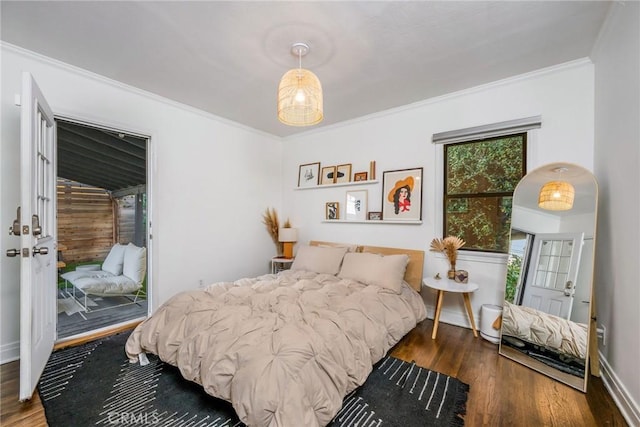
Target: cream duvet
[
  {"x": 544, "y": 329},
  {"x": 283, "y": 349}
]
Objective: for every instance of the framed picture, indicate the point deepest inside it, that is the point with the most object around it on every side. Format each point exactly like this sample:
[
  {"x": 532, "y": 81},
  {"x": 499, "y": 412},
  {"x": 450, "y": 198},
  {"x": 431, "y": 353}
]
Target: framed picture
[
  {"x": 402, "y": 195},
  {"x": 309, "y": 175},
  {"x": 343, "y": 173},
  {"x": 332, "y": 210},
  {"x": 360, "y": 176},
  {"x": 328, "y": 175},
  {"x": 374, "y": 216},
  {"x": 356, "y": 209}
]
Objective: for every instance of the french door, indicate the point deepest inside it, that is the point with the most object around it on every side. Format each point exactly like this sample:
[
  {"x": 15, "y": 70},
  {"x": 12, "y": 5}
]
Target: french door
[
  {"x": 38, "y": 241},
  {"x": 552, "y": 273}
]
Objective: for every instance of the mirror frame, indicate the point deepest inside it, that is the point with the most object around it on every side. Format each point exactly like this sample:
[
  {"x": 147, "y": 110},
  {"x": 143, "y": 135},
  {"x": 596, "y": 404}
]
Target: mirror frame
[{"x": 525, "y": 200}]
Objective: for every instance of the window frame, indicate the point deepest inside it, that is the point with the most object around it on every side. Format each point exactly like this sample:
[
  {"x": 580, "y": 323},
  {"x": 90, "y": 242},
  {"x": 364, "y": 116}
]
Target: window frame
[{"x": 497, "y": 195}]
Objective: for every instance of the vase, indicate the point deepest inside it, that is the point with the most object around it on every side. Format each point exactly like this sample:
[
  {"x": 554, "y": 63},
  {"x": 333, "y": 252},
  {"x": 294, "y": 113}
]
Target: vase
[{"x": 451, "y": 274}]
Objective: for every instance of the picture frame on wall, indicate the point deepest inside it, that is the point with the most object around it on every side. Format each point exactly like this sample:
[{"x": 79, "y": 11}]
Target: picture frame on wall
[
  {"x": 356, "y": 207},
  {"x": 309, "y": 175},
  {"x": 328, "y": 175},
  {"x": 343, "y": 173},
  {"x": 360, "y": 176},
  {"x": 332, "y": 210},
  {"x": 402, "y": 195},
  {"x": 374, "y": 216}
]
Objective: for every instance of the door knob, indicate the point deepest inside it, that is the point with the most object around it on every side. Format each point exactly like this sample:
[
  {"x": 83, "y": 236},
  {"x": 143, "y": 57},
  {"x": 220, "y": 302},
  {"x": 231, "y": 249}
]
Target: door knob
[
  {"x": 13, "y": 252},
  {"x": 41, "y": 251},
  {"x": 567, "y": 288}
]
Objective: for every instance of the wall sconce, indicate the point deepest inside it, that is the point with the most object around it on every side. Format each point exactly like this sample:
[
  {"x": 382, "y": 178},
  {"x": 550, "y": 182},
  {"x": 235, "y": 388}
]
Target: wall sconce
[{"x": 288, "y": 236}]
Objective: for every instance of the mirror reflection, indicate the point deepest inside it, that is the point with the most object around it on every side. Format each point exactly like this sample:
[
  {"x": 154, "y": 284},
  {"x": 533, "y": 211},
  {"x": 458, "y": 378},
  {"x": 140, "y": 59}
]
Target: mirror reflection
[{"x": 545, "y": 319}]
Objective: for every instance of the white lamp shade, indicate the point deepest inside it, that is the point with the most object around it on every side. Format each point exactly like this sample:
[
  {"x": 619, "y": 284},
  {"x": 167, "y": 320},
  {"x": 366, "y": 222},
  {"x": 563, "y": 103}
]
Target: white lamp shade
[
  {"x": 288, "y": 235},
  {"x": 556, "y": 196}
]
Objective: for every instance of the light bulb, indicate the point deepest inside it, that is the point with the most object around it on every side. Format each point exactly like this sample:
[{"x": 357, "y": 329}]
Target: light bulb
[{"x": 300, "y": 97}]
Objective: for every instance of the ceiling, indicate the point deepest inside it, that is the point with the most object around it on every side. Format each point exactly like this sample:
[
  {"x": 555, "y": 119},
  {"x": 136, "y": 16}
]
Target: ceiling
[
  {"x": 100, "y": 157},
  {"x": 227, "y": 57},
  {"x": 586, "y": 192}
]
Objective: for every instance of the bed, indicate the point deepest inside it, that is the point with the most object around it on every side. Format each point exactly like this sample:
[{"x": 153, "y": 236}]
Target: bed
[
  {"x": 549, "y": 339},
  {"x": 286, "y": 348}
]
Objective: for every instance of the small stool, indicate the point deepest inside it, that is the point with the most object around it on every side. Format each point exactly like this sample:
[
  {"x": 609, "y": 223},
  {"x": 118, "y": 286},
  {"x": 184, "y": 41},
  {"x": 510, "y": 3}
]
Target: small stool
[
  {"x": 488, "y": 315},
  {"x": 449, "y": 285}
]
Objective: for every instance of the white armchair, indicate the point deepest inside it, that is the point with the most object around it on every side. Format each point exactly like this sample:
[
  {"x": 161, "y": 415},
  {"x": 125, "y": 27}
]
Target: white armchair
[{"x": 121, "y": 274}]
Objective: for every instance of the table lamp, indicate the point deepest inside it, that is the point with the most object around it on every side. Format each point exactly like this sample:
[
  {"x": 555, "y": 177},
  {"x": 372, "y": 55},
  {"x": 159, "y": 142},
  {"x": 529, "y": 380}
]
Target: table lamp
[{"x": 288, "y": 236}]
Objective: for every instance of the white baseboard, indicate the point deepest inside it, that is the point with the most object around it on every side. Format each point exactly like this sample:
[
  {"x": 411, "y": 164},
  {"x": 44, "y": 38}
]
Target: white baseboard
[
  {"x": 9, "y": 352},
  {"x": 628, "y": 407}
]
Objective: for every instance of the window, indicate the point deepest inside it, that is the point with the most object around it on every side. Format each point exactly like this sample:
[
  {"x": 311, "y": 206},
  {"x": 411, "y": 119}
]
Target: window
[{"x": 479, "y": 179}]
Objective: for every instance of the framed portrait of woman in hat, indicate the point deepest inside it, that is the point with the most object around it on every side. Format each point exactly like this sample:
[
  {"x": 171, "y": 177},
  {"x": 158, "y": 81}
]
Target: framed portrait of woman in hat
[{"x": 402, "y": 195}]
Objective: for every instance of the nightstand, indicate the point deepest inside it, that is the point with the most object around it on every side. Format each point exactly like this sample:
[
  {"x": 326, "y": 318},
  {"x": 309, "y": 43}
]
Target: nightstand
[
  {"x": 448, "y": 285},
  {"x": 279, "y": 264}
]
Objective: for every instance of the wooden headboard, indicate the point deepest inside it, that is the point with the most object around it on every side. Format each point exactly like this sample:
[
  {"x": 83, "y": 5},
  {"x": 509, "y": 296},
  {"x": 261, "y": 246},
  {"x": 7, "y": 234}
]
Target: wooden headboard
[{"x": 413, "y": 274}]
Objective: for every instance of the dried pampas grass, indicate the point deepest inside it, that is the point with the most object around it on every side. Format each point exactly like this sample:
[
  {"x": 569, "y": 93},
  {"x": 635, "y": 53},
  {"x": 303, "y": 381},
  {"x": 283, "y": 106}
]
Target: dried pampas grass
[
  {"x": 270, "y": 220},
  {"x": 272, "y": 223},
  {"x": 449, "y": 246}
]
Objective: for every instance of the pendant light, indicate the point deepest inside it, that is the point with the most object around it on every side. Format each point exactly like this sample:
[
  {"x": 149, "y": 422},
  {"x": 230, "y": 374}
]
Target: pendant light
[
  {"x": 300, "y": 93},
  {"x": 556, "y": 195}
]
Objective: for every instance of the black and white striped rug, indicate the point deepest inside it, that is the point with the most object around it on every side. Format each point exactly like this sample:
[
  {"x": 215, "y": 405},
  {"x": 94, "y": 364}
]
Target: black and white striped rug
[{"x": 94, "y": 384}]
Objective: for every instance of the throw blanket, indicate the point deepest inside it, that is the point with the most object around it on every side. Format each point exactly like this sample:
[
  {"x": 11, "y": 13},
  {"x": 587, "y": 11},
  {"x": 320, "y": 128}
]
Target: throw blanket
[{"x": 283, "y": 349}]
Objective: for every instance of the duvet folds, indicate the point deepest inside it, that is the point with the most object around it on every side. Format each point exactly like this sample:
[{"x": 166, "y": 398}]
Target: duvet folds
[{"x": 283, "y": 349}]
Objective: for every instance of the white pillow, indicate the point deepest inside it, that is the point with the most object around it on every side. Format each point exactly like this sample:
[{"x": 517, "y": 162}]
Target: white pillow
[
  {"x": 114, "y": 260},
  {"x": 319, "y": 259},
  {"x": 135, "y": 263},
  {"x": 372, "y": 269}
]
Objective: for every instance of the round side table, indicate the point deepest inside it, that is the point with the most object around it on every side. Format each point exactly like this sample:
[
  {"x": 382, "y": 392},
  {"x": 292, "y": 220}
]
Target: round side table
[{"x": 449, "y": 285}]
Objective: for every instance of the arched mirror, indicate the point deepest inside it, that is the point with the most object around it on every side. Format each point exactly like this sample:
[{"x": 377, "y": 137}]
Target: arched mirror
[{"x": 546, "y": 313}]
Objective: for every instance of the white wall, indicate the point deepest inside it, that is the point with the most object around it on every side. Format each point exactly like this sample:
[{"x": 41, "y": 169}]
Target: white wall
[
  {"x": 534, "y": 221},
  {"x": 211, "y": 181},
  {"x": 401, "y": 138},
  {"x": 197, "y": 235},
  {"x": 617, "y": 161}
]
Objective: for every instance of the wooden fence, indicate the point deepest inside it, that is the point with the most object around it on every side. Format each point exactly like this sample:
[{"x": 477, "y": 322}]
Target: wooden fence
[
  {"x": 86, "y": 222},
  {"x": 126, "y": 218}
]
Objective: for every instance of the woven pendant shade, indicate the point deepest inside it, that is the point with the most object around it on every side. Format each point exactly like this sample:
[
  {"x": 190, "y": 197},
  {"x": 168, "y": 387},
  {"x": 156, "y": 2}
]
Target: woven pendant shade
[
  {"x": 300, "y": 98},
  {"x": 556, "y": 196}
]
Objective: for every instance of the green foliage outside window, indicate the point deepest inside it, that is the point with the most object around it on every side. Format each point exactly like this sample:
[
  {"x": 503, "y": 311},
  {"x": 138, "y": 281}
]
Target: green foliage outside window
[
  {"x": 514, "y": 265},
  {"x": 480, "y": 177}
]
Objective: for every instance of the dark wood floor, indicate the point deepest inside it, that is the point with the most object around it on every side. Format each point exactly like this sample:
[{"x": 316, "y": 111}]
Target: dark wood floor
[{"x": 502, "y": 392}]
